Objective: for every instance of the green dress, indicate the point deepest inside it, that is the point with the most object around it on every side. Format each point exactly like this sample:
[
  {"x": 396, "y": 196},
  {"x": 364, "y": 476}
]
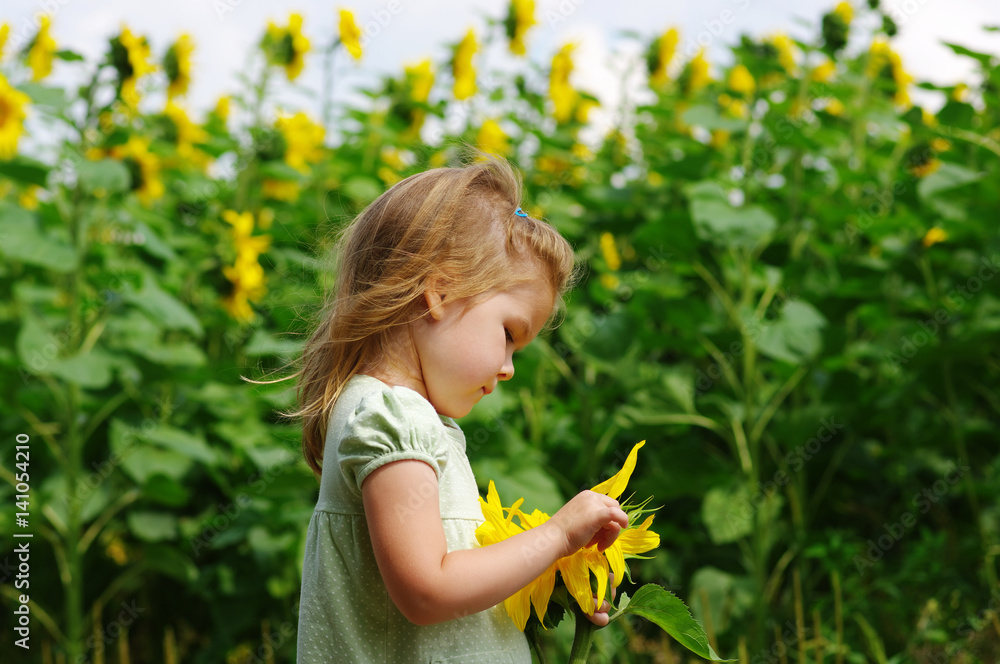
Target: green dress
[{"x": 345, "y": 613}]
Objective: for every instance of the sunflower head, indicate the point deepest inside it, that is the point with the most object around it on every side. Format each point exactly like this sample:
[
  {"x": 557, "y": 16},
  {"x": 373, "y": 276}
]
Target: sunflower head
[
  {"x": 350, "y": 34},
  {"x": 660, "y": 54},
  {"x": 177, "y": 66},
  {"x": 921, "y": 160},
  {"x": 13, "y": 106},
  {"x": 520, "y": 18},
  {"x": 130, "y": 56},
  {"x": 41, "y": 51},
  {"x": 462, "y": 67},
  {"x": 286, "y": 47},
  {"x": 835, "y": 30},
  {"x": 695, "y": 75}
]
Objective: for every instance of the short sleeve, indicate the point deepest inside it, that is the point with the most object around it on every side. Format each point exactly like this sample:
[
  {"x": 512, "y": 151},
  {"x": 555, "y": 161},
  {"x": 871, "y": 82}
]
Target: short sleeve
[{"x": 392, "y": 424}]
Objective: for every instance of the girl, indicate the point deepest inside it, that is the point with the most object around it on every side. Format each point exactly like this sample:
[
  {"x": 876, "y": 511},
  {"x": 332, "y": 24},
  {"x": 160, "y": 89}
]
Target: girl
[{"x": 439, "y": 282}]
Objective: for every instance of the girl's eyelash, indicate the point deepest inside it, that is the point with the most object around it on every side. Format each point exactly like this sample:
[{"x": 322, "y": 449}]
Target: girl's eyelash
[{"x": 510, "y": 337}]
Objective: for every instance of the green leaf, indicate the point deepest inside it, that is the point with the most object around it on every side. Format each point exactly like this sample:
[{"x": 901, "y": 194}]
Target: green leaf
[
  {"x": 193, "y": 446},
  {"x": 728, "y": 597},
  {"x": 719, "y": 222},
  {"x": 679, "y": 384},
  {"x": 69, "y": 56},
  {"x": 36, "y": 346},
  {"x": 26, "y": 170},
  {"x": 110, "y": 175},
  {"x": 709, "y": 117},
  {"x": 142, "y": 461},
  {"x": 22, "y": 240},
  {"x": 363, "y": 188},
  {"x": 728, "y": 515},
  {"x": 91, "y": 371},
  {"x": 663, "y": 608},
  {"x": 279, "y": 170},
  {"x": 153, "y": 244},
  {"x": 795, "y": 335},
  {"x": 165, "y": 491},
  {"x": 152, "y": 526},
  {"x": 984, "y": 58},
  {"x": 39, "y": 352},
  {"x": 263, "y": 343},
  {"x": 182, "y": 354},
  {"x": 43, "y": 95},
  {"x": 163, "y": 306},
  {"x": 948, "y": 176}
]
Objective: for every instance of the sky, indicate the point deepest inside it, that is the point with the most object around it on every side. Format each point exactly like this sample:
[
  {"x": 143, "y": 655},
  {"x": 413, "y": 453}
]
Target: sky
[{"x": 399, "y": 32}]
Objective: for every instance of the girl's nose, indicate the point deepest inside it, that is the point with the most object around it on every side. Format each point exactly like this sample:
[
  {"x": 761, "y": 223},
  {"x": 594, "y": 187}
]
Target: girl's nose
[{"x": 507, "y": 370}]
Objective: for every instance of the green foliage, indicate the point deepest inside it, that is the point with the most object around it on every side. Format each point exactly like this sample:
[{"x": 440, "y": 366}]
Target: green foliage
[
  {"x": 663, "y": 608},
  {"x": 790, "y": 292}
]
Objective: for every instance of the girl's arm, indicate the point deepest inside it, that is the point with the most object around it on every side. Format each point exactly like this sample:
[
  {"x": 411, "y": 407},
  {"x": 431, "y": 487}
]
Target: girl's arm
[{"x": 430, "y": 585}]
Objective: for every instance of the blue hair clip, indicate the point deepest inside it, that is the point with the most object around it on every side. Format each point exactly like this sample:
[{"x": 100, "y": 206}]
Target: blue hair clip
[{"x": 521, "y": 213}]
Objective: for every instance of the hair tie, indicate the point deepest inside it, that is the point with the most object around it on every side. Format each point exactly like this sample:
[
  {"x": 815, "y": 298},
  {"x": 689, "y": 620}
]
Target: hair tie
[{"x": 521, "y": 213}]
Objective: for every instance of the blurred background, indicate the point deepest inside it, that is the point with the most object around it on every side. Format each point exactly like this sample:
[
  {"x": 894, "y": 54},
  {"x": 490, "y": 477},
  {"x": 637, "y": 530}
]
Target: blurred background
[{"x": 787, "y": 213}]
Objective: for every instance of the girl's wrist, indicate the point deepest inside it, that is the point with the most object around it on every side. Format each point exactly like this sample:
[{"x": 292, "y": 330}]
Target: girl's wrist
[{"x": 554, "y": 539}]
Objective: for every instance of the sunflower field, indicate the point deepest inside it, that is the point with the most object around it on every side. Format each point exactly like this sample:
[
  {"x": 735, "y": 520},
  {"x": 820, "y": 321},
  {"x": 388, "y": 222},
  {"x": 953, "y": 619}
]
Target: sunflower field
[{"x": 791, "y": 292}]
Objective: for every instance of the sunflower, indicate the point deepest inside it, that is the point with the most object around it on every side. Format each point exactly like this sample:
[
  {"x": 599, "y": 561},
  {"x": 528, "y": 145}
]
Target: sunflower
[
  {"x": 177, "y": 65},
  {"x": 350, "y": 34},
  {"x": 418, "y": 82},
  {"x": 12, "y": 113},
  {"x": 246, "y": 274},
  {"x": 661, "y": 53},
  {"x": 462, "y": 68},
  {"x": 130, "y": 56},
  {"x": 42, "y": 50},
  {"x": 520, "y": 17},
  {"x": 824, "y": 72},
  {"x": 186, "y": 134},
  {"x": 933, "y": 236},
  {"x": 610, "y": 252},
  {"x": 741, "y": 80},
  {"x": 4, "y": 35},
  {"x": 564, "y": 97},
  {"x": 286, "y": 47},
  {"x": 883, "y": 61},
  {"x": 577, "y": 568},
  {"x": 421, "y": 79},
  {"x": 786, "y": 52},
  {"x": 303, "y": 141},
  {"x": 492, "y": 139},
  {"x": 695, "y": 75},
  {"x": 144, "y": 167}
]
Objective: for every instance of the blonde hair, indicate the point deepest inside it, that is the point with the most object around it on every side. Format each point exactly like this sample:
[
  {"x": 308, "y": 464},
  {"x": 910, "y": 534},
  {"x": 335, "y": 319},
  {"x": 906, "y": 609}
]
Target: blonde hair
[{"x": 454, "y": 225}]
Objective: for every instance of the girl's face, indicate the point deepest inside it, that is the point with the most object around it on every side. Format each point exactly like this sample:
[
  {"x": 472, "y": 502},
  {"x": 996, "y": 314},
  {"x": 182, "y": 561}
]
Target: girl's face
[{"x": 463, "y": 350}]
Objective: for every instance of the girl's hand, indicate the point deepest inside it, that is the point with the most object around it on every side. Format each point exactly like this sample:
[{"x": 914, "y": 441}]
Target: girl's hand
[
  {"x": 589, "y": 518},
  {"x": 600, "y": 616}
]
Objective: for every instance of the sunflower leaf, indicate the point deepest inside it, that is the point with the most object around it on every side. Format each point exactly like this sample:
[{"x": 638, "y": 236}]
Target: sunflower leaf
[{"x": 671, "y": 614}]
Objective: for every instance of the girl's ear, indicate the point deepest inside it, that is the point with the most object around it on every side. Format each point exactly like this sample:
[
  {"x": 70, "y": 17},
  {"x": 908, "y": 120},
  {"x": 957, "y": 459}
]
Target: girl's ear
[
  {"x": 434, "y": 303},
  {"x": 435, "y": 299}
]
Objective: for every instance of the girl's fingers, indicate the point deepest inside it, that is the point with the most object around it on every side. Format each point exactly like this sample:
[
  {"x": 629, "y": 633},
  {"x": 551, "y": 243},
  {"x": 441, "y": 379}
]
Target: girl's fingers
[{"x": 600, "y": 616}]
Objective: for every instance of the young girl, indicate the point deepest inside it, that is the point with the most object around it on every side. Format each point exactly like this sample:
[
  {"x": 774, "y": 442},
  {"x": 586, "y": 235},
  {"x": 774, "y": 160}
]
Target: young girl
[{"x": 439, "y": 282}]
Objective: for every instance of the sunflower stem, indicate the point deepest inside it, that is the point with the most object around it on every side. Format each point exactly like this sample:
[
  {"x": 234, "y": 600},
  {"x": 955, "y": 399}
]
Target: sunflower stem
[
  {"x": 535, "y": 642},
  {"x": 583, "y": 637}
]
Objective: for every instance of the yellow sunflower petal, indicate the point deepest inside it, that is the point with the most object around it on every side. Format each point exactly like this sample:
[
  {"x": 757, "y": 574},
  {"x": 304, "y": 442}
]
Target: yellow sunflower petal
[
  {"x": 614, "y": 486},
  {"x": 576, "y": 575}
]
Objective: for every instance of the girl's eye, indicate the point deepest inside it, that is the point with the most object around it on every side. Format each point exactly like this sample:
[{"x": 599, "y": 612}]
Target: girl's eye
[{"x": 510, "y": 337}]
